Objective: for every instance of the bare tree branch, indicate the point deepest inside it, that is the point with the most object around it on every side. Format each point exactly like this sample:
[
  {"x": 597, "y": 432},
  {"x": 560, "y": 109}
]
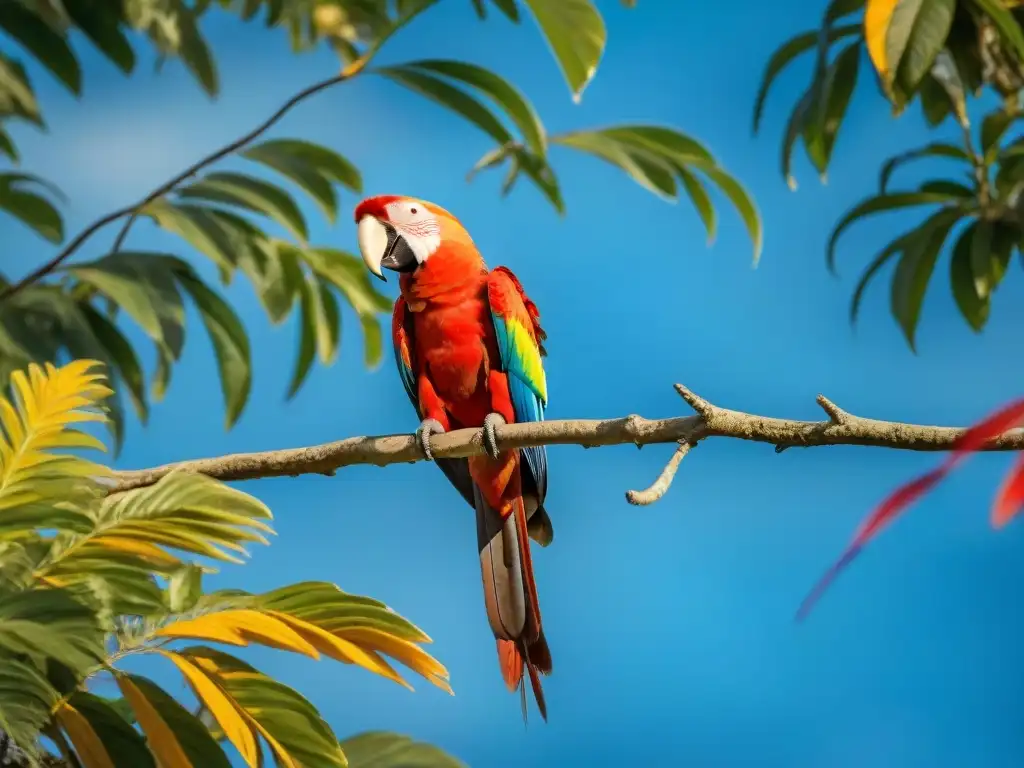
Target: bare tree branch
[{"x": 842, "y": 428}]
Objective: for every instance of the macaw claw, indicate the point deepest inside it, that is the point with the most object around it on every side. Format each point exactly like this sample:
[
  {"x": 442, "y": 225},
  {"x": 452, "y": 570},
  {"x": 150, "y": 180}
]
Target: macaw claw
[
  {"x": 427, "y": 429},
  {"x": 491, "y": 421}
]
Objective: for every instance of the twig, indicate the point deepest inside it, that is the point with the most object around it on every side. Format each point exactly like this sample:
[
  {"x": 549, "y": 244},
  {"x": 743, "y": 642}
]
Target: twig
[
  {"x": 132, "y": 211},
  {"x": 712, "y": 422},
  {"x": 660, "y": 487}
]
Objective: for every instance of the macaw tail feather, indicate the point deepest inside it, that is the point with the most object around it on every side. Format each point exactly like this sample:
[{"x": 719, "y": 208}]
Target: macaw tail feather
[{"x": 510, "y": 595}]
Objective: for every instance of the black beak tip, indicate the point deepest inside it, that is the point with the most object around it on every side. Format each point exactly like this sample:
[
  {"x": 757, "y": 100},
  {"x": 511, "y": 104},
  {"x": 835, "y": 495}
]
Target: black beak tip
[{"x": 380, "y": 277}]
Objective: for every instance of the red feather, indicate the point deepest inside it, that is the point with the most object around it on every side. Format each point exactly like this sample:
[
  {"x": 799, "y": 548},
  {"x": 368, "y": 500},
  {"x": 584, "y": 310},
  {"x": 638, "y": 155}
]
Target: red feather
[{"x": 1008, "y": 501}]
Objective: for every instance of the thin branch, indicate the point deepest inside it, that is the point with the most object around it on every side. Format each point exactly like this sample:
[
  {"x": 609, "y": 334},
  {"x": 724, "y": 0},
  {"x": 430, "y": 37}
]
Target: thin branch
[
  {"x": 132, "y": 211},
  {"x": 660, "y": 487},
  {"x": 712, "y": 421}
]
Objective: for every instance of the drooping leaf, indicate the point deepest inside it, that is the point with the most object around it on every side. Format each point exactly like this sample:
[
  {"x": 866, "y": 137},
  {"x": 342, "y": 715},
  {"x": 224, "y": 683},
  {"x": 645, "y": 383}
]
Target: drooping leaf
[
  {"x": 576, "y": 34},
  {"x": 915, "y": 268},
  {"x": 123, "y": 357},
  {"x": 841, "y": 79},
  {"x": 48, "y": 46},
  {"x": 26, "y": 700},
  {"x": 499, "y": 90},
  {"x": 449, "y": 96},
  {"x": 877, "y": 18},
  {"x": 991, "y": 247},
  {"x": 143, "y": 285},
  {"x": 882, "y": 204},
  {"x": 16, "y": 94},
  {"x": 203, "y": 228},
  {"x": 744, "y": 205},
  {"x": 973, "y": 307},
  {"x": 883, "y": 258},
  {"x": 101, "y": 24},
  {"x": 935, "y": 149},
  {"x": 230, "y": 344},
  {"x": 785, "y": 54},
  {"x": 29, "y": 207},
  {"x": 250, "y": 194},
  {"x": 314, "y": 168},
  {"x": 698, "y": 194},
  {"x": 51, "y": 623}
]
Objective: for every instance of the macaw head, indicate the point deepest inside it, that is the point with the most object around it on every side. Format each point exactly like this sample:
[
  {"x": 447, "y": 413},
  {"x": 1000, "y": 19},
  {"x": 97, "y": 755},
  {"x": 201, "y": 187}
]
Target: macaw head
[{"x": 402, "y": 233}]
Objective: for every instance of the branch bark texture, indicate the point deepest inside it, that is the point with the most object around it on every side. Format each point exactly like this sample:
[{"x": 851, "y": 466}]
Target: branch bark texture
[{"x": 839, "y": 428}]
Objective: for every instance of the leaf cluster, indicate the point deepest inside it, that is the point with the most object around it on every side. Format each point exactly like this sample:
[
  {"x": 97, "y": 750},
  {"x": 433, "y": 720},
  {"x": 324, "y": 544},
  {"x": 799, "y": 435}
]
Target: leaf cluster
[{"x": 88, "y": 578}]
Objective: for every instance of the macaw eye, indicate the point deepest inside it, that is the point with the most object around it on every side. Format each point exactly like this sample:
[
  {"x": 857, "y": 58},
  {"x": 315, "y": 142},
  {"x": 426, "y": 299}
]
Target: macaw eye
[{"x": 412, "y": 211}]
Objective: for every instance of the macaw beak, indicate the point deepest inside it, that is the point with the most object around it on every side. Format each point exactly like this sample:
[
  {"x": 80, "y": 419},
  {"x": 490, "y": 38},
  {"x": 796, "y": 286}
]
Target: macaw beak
[{"x": 383, "y": 248}]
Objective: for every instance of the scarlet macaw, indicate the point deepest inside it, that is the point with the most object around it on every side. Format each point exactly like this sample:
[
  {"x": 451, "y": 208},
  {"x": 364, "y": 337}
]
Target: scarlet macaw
[{"x": 468, "y": 346}]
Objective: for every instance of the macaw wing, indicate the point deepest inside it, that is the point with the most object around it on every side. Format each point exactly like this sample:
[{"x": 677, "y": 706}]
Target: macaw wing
[
  {"x": 520, "y": 346},
  {"x": 456, "y": 470}
]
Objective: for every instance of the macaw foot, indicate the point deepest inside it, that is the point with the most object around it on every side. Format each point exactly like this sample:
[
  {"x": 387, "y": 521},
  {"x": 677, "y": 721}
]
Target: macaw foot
[
  {"x": 427, "y": 429},
  {"x": 491, "y": 421}
]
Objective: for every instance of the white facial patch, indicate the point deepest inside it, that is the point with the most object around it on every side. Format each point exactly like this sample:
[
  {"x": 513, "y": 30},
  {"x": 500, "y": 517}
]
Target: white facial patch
[{"x": 418, "y": 226}]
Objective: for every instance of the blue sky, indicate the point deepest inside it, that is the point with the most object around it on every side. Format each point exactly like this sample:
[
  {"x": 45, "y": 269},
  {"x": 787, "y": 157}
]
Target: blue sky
[{"x": 670, "y": 626}]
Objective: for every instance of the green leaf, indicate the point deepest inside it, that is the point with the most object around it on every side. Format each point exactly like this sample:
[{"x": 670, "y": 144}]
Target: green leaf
[
  {"x": 509, "y": 8},
  {"x": 661, "y": 141},
  {"x": 230, "y": 344},
  {"x": 1009, "y": 28},
  {"x": 499, "y": 90},
  {"x": 915, "y": 268},
  {"x": 50, "y": 622},
  {"x": 326, "y": 162},
  {"x": 143, "y": 285},
  {"x": 840, "y": 81},
  {"x": 697, "y": 192},
  {"x": 16, "y": 94},
  {"x": 798, "y": 118},
  {"x": 26, "y": 699},
  {"x": 313, "y": 168},
  {"x": 936, "y": 149},
  {"x": 576, "y": 34},
  {"x": 203, "y": 228},
  {"x": 43, "y": 42},
  {"x": 917, "y": 32},
  {"x": 946, "y": 72},
  {"x": 124, "y": 744},
  {"x": 951, "y": 188},
  {"x": 877, "y": 263},
  {"x": 451, "y": 97},
  {"x": 785, "y": 54},
  {"x": 277, "y": 278},
  {"x": 329, "y": 335},
  {"x": 32, "y": 209},
  {"x": 973, "y": 307},
  {"x": 193, "y": 50},
  {"x": 992, "y": 244},
  {"x": 251, "y": 194},
  {"x": 7, "y": 146},
  {"x": 646, "y": 169},
  {"x": 381, "y": 749},
  {"x": 935, "y": 102},
  {"x": 100, "y": 22},
  {"x": 744, "y": 206},
  {"x": 195, "y": 739},
  {"x": 309, "y": 322},
  {"x": 993, "y": 128},
  {"x": 184, "y": 588},
  {"x": 347, "y": 273},
  {"x": 881, "y": 204},
  {"x": 123, "y": 358},
  {"x": 839, "y": 8}
]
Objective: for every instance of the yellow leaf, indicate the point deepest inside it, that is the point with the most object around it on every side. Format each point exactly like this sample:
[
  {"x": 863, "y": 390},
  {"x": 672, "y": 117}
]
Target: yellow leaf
[
  {"x": 241, "y": 626},
  {"x": 234, "y": 724},
  {"x": 340, "y": 649},
  {"x": 210, "y": 668},
  {"x": 408, "y": 653},
  {"x": 159, "y": 736},
  {"x": 142, "y": 549},
  {"x": 83, "y": 738},
  {"x": 877, "y": 16}
]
